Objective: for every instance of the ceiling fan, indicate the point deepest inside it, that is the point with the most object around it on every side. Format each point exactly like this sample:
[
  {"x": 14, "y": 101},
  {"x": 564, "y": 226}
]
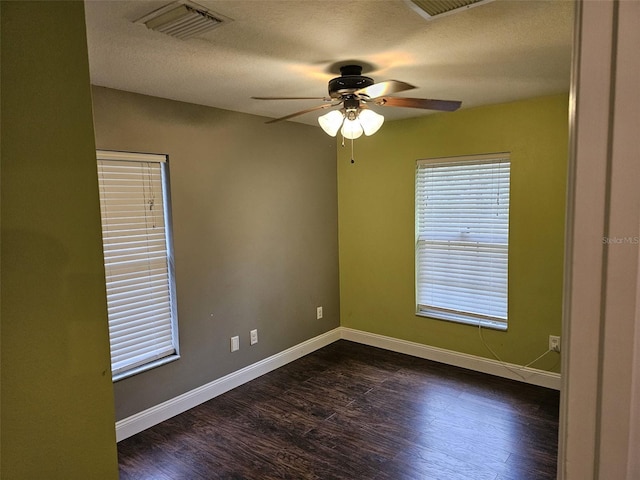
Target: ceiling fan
[{"x": 354, "y": 92}]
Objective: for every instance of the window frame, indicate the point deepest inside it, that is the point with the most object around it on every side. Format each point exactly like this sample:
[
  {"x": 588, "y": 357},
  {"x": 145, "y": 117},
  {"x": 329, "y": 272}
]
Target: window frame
[
  {"x": 460, "y": 315},
  {"x": 172, "y": 353}
]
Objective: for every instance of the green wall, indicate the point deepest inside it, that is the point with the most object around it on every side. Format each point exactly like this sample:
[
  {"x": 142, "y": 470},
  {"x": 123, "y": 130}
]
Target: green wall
[
  {"x": 376, "y": 225},
  {"x": 57, "y": 395}
]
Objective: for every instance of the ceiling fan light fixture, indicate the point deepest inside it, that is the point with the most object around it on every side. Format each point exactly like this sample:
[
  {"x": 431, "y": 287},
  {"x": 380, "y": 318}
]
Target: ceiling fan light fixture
[
  {"x": 354, "y": 123},
  {"x": 331, "y": 122},
  {"x": 351, "y": 129},
  {"x": 370, "y": 121}
]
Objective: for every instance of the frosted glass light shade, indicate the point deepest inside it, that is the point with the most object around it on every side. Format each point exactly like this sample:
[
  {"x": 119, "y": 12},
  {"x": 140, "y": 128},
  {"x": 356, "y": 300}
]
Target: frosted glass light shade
[
  {"x": 331, "y": 122},
  {"x": 351, "y": 129},
  {"x": 370, "y": 121}
]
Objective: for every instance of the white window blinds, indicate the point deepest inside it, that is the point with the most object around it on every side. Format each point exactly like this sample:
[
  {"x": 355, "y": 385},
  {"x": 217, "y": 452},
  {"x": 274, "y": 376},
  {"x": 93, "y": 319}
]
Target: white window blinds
[
  {"x": 462, "y": 239},
  {"x": 137, "y": 256}
]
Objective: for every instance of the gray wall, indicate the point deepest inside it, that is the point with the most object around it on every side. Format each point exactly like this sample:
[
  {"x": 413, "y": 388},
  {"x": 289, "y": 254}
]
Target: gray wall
[{"x": 255, "y": 233}]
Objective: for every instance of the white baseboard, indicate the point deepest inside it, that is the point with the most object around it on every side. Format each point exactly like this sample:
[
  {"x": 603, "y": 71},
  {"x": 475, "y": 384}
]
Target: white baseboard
[
  {"x": 152, "y": 416},
  {"x": 479, "y": 364}
]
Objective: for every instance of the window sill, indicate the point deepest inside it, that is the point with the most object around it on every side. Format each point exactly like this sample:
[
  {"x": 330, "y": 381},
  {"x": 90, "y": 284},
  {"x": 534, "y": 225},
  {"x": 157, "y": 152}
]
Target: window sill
[
  {"x": 145, "y": 367},
  {"x": 463, "y": 319}
]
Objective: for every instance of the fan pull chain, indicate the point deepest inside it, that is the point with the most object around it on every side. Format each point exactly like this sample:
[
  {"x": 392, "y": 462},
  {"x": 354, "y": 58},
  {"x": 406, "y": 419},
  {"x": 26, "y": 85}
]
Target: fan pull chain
[{"x": 352, "y": 160}]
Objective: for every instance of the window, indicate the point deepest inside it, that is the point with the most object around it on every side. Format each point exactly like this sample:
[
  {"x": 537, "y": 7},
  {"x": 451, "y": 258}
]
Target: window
[
  {"x": 462, "y": 239},
  {"x": 138, "y": 259}
]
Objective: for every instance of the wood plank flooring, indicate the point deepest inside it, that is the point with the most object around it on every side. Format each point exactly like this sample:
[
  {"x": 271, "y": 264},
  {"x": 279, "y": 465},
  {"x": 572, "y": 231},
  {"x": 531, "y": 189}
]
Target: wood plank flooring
[{"x": 350, "y": 411}]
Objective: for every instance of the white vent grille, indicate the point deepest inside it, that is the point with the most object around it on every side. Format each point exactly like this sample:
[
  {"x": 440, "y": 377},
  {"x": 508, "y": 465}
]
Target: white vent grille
[
  {"x": 182, "y": 20},
  {"x": 437, "y": 8}
]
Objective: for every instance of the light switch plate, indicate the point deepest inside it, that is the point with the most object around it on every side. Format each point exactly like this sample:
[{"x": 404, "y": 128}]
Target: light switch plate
[{"x": 235, "y": 343}]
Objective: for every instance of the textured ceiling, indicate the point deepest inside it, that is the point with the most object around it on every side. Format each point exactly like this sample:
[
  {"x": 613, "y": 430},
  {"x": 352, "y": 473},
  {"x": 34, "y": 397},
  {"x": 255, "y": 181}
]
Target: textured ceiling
[{"x": 497, "y": 52}]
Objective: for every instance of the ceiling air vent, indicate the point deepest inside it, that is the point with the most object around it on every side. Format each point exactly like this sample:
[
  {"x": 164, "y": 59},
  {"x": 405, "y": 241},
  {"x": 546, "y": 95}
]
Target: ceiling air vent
[
  {"x": 439, "y": 8},
  {"x": 182, "y": 20}
]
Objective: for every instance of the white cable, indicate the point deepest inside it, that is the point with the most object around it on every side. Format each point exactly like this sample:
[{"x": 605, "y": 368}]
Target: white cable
[{"x": 504, "y": 364}]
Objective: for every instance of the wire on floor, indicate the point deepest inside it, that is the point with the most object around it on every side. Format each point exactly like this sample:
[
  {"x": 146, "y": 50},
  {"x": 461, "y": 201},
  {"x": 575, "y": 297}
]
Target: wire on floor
[{"x": 505, "y": 364}]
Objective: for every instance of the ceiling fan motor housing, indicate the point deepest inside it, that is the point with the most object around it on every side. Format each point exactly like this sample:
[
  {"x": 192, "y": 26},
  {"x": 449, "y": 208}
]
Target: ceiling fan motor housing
[{"x": 349, "y": 81}]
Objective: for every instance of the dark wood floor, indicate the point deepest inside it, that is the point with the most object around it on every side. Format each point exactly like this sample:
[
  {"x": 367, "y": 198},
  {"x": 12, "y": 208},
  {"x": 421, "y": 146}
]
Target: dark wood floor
[{"x": 350, "y": 411}]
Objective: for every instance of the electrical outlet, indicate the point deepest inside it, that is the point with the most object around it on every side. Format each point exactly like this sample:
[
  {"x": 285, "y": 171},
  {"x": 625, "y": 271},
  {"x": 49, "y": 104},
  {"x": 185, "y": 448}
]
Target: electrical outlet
[
  {"x": 554, "y": 343},
  {"x": 235, "y": 343},
  {"x": 254, "y": 336},
  {"x": 318, "y": 313}
]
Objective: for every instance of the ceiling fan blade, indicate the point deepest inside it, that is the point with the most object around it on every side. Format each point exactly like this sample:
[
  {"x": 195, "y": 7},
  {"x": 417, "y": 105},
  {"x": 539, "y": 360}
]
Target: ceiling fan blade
[
  {"x": 326, "y": 99},
  {"x": 302, "y": 112},
  {"x": 426, "y": 103},
  {"x": 384, "y": 88}
]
